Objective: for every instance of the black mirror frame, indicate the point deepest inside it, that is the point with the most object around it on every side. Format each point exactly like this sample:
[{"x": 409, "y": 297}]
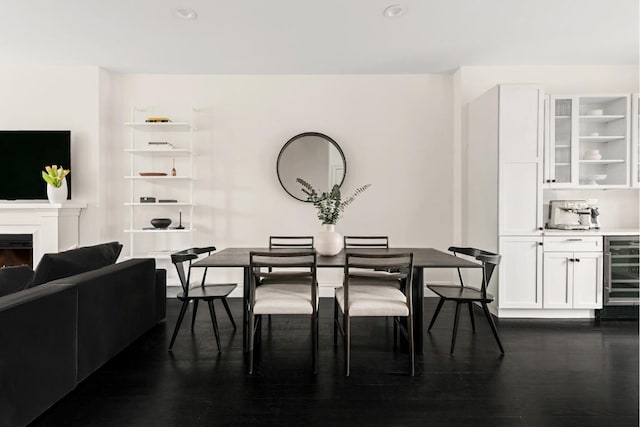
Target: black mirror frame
[{"x": 319, "y": 135}]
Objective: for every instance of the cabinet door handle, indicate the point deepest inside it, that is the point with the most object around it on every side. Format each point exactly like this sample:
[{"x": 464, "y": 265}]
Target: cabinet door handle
[
  {"x": 570, "y": 259},
  {"x": 574, "y": 240},
  {"x": 553, "y": 180},
  {"x": 539, "y": 243},
  {"x": 577, "y": 260}
]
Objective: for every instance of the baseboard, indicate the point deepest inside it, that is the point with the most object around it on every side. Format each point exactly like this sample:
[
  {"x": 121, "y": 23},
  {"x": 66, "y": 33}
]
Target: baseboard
[{"x": 545, "y": 314}]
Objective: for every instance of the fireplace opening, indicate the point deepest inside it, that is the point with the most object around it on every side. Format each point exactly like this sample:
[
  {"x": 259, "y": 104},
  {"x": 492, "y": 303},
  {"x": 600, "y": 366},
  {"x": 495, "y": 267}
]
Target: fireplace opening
[{"x": 16, "y": 249}]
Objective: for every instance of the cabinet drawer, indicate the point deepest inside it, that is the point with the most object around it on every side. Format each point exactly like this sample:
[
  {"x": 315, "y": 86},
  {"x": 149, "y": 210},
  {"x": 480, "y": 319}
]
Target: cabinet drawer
[{"x": 572, "y": 244}]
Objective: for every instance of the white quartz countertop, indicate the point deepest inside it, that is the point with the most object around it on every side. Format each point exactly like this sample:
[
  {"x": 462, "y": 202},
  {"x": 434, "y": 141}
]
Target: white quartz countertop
[{"x": 600, "y": 232}]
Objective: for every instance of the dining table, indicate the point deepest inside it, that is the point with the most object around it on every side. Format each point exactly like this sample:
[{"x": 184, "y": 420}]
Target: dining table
[{"x": 422, "y": 258}]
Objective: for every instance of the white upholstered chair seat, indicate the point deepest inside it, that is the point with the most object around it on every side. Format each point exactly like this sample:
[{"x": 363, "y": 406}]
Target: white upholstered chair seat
[
  {"x": 374, "y": 300},
  {"x": 283, "y": 299}
]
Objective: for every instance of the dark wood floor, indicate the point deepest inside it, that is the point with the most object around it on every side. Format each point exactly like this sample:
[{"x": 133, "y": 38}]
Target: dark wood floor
[{"x": 555, "y": 373}]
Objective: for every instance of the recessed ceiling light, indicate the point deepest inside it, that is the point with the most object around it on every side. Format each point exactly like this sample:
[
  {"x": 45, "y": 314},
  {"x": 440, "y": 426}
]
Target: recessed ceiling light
[
  {"x": 395, "y": 11},
  {"x": 187, "y": 14}
]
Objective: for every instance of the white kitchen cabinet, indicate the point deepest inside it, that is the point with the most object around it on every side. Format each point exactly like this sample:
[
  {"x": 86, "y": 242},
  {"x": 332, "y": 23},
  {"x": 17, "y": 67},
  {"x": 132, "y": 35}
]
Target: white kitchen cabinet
[
  {"x": 520, "y": 272},
  {"x": 572, "y": 280},
  {"x": 560, "y": 154},
  {"x": 587, "y": 280},
  {"x": 557, "y": 280},
  {"x": 635, "y": 141},
  {"x": 572, "y": 272},
  {"x": 504, "y": 188},
  {"x": 504, "y": 164},
  {"x": 588, "y": 142}
]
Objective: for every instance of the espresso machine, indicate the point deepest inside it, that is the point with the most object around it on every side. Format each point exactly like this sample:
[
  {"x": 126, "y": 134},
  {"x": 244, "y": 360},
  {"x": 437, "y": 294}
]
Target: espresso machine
[{"x": 574, "y": 214}]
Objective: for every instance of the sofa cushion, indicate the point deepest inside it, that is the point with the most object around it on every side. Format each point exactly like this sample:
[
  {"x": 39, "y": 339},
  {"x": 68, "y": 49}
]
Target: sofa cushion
[
  {"x": 14, "y": 279},
  {"x": 116, "y": 305},
  {"x": 76, "y": 261}
]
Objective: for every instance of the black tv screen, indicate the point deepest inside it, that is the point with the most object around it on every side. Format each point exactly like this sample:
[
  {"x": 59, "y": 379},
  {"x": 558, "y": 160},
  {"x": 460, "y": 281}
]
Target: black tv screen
[{"x": 24, "y": 154}]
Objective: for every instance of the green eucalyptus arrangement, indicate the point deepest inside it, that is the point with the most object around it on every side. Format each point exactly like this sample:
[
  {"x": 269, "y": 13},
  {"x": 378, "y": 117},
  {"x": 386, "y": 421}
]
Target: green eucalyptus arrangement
[
  {"x": 329, "y": 204},
  {"x": 54, "y": 175}
]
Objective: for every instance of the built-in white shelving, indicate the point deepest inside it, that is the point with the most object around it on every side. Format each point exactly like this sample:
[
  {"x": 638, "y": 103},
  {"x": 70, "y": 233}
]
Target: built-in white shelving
[
  {"x": 159, "y": 230},
  {"x": 159, "y": 147},
  {"x": 159, "y": 152},
  {"x": 157, "y": 204},
  {"x": 160, "y": 126},
  {"x": 172, "y": 178}
]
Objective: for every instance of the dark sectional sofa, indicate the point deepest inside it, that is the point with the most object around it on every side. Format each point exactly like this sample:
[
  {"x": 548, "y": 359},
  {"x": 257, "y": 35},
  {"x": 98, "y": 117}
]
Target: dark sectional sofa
[{"x": 54, "y": 335}]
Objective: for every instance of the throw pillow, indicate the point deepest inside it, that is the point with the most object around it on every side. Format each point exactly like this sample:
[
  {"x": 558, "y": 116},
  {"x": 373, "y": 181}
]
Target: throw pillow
[
  {"x": 76, "y": 261},
  {"x": 14, "y": 279}
]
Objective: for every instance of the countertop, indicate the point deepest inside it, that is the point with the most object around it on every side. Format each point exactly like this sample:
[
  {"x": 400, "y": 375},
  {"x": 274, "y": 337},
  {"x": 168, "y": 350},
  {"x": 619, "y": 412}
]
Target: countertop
[{"x": 600, "y": 232}]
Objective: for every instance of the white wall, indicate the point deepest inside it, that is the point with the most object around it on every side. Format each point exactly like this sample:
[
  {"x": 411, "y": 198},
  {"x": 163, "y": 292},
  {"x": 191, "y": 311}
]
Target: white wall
[
  {"x": 61, "y": 98},
  {"x": 472, "y": 82},
  {"x": 395, "y": 132}
]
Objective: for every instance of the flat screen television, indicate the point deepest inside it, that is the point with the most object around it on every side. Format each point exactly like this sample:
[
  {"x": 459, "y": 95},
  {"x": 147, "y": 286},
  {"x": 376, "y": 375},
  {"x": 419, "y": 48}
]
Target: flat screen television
[{"x": 23, "y": 156}]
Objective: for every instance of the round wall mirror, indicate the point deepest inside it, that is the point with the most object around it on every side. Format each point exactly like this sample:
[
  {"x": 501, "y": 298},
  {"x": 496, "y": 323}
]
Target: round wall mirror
[{"x": 315, "y": 158}]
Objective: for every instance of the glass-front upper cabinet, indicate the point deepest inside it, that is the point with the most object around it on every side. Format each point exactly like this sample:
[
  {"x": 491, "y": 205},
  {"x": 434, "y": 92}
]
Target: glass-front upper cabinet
[
  {"x": 589, "y": 141},
  {"x": 561, "y": 167},
  {"x": 635, "y": 141}
]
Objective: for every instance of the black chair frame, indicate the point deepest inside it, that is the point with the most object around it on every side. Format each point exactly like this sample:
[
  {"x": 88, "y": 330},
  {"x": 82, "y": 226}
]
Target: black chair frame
[
  {"x": 363, "y": 242},
  {"x": 188, "y": 256},
  {"x": 300, "y": 242},
  {"x": 399, "y": 271},
  {"x": 489, "y": 262},
  {"x": 260, "y": 260}
]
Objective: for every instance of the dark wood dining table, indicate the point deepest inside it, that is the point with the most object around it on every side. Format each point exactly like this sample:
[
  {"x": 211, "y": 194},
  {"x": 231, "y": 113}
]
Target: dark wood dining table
[{"x": 422, "y": 258}]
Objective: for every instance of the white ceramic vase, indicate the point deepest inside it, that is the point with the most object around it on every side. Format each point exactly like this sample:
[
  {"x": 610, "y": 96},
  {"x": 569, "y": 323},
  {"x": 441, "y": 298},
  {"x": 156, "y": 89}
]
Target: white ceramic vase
[
  {"x": 57, "y": 194},
  {"x": 328, "y": 242}
]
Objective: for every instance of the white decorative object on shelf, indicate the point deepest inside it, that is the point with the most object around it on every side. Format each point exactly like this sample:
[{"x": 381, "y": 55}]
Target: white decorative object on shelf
[
  {"x": 593, "y": 179},
  {"x": 328, "y": 242},
  {"x": 57, "y": 194},
  {"x": 592, "y": 155},
  {"x": 595, "y": 112}
]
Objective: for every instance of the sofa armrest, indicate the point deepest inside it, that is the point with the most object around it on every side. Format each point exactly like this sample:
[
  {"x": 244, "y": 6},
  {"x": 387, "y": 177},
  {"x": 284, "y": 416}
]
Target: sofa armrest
[{"x": 38, "y": 357}]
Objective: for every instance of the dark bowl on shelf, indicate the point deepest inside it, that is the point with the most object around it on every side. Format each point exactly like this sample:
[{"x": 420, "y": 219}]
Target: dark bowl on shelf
[{"x": 161, "y": 222}]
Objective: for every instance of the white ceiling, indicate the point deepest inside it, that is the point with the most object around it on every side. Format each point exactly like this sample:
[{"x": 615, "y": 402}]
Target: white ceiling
[{"x": 316, "y": 36}]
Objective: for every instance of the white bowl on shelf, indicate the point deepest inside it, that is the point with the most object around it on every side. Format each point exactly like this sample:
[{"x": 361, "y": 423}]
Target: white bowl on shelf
[
  {"x": 595, "y": 112},
  {"x": 592, "y": 155},
  {"x": 593, "y": 179}
]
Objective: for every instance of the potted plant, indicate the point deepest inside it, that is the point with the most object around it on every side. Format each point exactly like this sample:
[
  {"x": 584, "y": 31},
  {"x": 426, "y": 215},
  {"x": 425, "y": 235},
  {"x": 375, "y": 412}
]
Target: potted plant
[
  {"x": 56, "y": 180},
  {"x": 330, "y": 206}
]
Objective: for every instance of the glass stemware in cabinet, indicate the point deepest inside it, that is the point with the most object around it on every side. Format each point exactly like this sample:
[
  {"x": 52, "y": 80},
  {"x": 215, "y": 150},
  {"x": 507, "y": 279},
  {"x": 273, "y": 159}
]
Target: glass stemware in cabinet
[{"x": 561, "y": 153}]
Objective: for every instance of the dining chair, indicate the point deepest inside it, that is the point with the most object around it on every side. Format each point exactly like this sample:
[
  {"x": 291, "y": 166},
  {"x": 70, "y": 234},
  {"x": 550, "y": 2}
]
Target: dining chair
[
  {"x": 283, "y": 283},
  {"x": 202, "y": 291},
  {"x": 369, "y": 292},
  {"x": 290, "y": 242},
  {"x": 300, "y": 242},
  {"x": 463, "y": 294},
  {"x": 351, "y": 242}
]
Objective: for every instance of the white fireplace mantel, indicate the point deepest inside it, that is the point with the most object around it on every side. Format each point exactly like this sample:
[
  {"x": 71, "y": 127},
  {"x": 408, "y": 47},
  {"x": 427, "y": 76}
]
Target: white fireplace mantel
[{"x": 54, "y": 226}]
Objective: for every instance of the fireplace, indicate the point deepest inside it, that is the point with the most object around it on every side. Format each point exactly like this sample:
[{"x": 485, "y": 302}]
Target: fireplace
[{"x": 16, "y": 249}]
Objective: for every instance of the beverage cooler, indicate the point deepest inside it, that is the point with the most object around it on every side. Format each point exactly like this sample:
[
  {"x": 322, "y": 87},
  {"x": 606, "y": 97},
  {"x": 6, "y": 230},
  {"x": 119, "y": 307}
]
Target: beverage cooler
[{"x": 621, "y": 277}]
